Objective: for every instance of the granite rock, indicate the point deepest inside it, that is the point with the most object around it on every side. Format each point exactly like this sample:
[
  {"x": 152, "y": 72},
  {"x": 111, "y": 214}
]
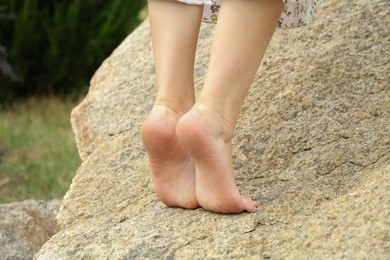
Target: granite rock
[
  {"x": 312, "y": 145},
  {"x": 25, "y": 226}
]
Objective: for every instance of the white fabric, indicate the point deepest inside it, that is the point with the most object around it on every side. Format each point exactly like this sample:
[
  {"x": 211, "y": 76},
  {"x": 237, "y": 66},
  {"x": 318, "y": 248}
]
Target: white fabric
[{"x": 295, "y": 12}]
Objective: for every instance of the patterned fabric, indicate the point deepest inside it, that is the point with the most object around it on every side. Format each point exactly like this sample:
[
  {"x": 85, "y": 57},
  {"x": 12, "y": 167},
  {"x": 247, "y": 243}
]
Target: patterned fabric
[{"x": 295, "y": 12}]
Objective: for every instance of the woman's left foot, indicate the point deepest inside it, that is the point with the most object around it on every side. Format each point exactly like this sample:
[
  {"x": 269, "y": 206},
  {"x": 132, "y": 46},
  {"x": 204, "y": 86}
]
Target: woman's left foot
[{"x": 173, "y": 170}]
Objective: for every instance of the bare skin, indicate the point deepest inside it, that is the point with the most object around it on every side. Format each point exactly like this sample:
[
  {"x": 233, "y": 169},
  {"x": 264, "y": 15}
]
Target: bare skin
[
  {"x": 242, "y": 36},
  {"x": 205, "y": 131},
  {"x": 174, "y": 52},
  {"x": 207, "y": 139},
  {"x": 173, "y": 170}
]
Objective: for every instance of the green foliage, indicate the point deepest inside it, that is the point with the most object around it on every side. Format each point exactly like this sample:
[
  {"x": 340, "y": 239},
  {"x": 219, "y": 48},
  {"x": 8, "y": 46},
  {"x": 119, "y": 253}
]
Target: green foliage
[{"x": 54, "y": 46}]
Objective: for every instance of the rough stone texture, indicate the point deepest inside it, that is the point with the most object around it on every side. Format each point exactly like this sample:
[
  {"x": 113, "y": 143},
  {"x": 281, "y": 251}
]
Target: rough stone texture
[
  {"x": 25, "y": 226},
  {"x": 312, "y": 144}
]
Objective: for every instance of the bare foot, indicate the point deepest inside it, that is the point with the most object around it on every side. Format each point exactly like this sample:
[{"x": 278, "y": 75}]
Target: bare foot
[
  {"x": 207, "y": 139},
  {"x": 173, "y": 170}
]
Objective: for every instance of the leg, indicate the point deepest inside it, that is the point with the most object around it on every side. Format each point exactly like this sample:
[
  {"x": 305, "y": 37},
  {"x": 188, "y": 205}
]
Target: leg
[
  {"x": 243, "y": 32},
  {"x": 175, "y": 29}
]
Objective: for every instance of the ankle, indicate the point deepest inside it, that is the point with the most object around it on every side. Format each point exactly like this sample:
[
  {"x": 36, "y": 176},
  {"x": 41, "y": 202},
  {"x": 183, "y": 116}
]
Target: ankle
[
  {"x": 177, "y": 106},
  {"x": 225, "y": 110},
  {"x": 215, "y": 118},
  {"x": 202, "y": 119}
]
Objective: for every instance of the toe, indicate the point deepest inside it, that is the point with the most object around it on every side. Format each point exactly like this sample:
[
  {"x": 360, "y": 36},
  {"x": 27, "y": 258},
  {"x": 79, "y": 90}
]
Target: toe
[{"x": 249, "y": 204}]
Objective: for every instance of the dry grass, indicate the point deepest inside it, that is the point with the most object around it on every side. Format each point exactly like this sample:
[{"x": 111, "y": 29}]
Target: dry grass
[{"x": 38, "y": 156}]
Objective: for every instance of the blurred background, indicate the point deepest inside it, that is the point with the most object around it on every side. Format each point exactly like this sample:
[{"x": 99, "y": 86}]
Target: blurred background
[{"x": 49, "y": 50}]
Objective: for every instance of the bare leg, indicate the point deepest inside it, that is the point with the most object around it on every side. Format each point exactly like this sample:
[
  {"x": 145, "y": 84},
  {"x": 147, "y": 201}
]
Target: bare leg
[
  {"x": 242, "y": 35},
  {"x": 175, "y": 29}
]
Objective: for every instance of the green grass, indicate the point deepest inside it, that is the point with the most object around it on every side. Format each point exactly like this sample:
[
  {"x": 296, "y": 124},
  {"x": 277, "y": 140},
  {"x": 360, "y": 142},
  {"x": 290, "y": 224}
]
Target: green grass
[{"x": 38, "y": 155}]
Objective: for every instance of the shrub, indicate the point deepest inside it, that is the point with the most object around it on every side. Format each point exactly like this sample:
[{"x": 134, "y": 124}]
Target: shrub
[{"x": 54, "y": 46}]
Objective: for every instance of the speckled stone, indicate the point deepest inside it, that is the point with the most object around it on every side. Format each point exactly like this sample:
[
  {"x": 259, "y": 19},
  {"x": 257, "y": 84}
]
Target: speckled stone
[
  {"x": 312, "y": 145},
  {"x": 25, "y": 226}
]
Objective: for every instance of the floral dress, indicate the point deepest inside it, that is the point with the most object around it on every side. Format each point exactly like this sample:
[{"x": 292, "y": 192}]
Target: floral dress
[{"x": 295, "y": 12}]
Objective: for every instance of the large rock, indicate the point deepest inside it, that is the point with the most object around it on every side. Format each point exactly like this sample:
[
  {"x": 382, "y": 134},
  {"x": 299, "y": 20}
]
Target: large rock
[
  {"x": 312, "y": 144},
  {"x": 25, "y": 226}
]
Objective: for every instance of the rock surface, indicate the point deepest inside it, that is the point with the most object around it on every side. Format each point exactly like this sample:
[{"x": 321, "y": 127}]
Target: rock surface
[
  {"x": 25, "y": 226},
  {"x": 312, "y": 145}
]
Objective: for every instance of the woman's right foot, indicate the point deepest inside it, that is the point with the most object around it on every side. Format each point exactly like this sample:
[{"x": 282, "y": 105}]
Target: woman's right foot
[
  {"x": 207, "y": 138},
  {"x": 173, "y": 170}
]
